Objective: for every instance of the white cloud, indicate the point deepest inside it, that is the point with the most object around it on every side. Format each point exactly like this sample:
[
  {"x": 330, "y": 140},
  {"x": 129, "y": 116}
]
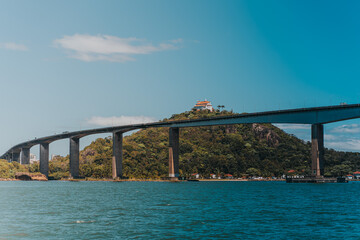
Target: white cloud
[
  {"x": 329, "y": 137},
  {"x": 13, "y": 46},
  {"x": 118, "y": 121},
  {"x": 91, "y": 48},
  {"x": 350, "y": 128},
  {"x": 347, "y": 145},
  {"x": 293, "y": 126}
]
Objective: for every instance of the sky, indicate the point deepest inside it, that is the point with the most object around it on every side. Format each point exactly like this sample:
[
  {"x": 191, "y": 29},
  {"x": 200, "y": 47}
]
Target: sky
[{"x": 80, "y": 64}]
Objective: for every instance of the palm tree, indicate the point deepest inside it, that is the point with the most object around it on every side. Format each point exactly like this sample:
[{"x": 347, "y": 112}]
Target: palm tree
[{"x": 220, "y": 107}]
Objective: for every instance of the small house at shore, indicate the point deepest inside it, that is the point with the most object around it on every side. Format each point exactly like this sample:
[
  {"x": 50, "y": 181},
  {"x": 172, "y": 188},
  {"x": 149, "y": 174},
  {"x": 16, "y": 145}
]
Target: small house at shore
[
  {"x": 228, "y": 176},
  {"x": 356, "y": 175},
  {"x": 195, "y": 175}
]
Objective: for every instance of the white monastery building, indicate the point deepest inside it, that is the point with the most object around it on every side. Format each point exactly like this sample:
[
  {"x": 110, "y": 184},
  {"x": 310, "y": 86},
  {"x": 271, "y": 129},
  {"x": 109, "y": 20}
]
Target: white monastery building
[{"x": 203, "y": 105}]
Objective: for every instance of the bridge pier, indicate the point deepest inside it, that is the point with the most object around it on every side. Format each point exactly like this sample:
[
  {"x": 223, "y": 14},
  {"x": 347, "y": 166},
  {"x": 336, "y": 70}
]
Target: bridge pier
[
  {"x": 74, "y": 157},
  {"x": 117, "y": 155},
  {"x": 15, "y": 157},
  {"x": 44, "y": 159},
  {"x": 317, "y": 150},
  {"x": 25, "y": 156},
  {"x": 174, "y": 152}
]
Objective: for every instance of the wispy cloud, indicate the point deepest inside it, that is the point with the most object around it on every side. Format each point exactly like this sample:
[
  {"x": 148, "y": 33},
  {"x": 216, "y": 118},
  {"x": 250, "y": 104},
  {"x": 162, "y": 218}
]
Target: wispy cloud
[
  {"x": 348, "y": 145},
  {"x": 293, "y": 126},
  {"x": 329, "y": 137},
  {"x": 13, "y": 46},
  {"x": 91, "y": 48},
  {"x": 350, "y": 128},
  {"x": 118, "y": 121}
]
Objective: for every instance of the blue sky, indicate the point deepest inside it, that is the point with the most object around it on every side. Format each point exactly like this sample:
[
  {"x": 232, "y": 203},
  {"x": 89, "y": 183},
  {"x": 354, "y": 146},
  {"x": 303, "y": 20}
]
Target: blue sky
[{"x": 70, "y": 65}]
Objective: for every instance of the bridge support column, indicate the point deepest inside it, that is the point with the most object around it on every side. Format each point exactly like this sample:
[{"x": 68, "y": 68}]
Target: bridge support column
[
  {"x": 174, "y": 152},
  {"x": 117, "y": 155},
  {"x": 25, "y": 156},
  {"x": 74, "y": 157},
  {"x": 44, "y": 159},
  {"x": 317, "y": 150},
  {"x": 15, "y": 157}
]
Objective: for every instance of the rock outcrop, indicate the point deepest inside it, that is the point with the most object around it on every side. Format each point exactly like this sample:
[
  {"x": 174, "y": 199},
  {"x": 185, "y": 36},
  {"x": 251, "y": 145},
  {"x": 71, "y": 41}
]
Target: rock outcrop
[
  {"x": 263, "y": 132},
  {"x": 25, "y": 176}
]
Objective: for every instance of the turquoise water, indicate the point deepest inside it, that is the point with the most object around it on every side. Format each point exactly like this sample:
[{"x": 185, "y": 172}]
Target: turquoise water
[{"x": 188, "y": 210}]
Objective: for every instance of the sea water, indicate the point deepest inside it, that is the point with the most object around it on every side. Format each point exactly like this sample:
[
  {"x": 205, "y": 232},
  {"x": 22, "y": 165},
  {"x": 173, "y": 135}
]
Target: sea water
[{"x": 185, "y": 210}]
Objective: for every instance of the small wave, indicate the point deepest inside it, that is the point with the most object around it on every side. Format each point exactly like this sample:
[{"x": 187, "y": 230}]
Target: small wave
[
  {"x": 163, "y": 204},
  {"x": 80, "y": 221}
]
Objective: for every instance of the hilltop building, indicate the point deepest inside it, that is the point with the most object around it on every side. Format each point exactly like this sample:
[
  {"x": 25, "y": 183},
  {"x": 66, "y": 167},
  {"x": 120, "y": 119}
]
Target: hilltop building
[{"x": 203, "y": 105}]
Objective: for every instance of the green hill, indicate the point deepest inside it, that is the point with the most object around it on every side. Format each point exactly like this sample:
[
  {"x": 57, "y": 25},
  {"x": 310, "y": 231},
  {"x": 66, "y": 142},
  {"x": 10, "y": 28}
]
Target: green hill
[{"x": 240, "y": 150}]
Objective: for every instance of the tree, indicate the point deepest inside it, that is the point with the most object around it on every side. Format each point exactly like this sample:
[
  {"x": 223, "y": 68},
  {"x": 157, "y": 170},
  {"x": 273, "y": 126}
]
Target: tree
[
  {"x": 340, "y": 170},
  {"x": 220, "y": 107},
  {"x": 253, "y": 172}
]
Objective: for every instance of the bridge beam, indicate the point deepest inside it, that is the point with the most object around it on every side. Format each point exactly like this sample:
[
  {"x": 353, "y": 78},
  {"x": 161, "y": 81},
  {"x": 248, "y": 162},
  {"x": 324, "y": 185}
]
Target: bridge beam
[
  {"x": 44, "y": 159},
  {"x": 15, "y": 157},
  {"x": 317, "y": 150},
  {"x": 74, "y": 157},
  {"x": 117, "y": 155},
  {"x": 25, "y": 156},
  {"x": 174, "y": 152}
]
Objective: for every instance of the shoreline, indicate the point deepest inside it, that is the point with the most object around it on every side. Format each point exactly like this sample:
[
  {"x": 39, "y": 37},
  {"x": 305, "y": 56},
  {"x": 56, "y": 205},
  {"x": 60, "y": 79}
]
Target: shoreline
[
  {"x": 150, "y": 180},
  {"x": 157, "y": 180}
]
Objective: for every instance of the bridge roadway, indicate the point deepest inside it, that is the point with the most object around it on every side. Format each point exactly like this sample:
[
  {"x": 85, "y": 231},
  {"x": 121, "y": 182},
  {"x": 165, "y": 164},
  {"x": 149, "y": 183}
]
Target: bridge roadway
[{"x": 316, "y": 116}]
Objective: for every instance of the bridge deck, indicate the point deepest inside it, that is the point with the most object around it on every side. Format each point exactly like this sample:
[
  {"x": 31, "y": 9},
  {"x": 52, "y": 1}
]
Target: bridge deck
[{"x": 316, "y": 115}]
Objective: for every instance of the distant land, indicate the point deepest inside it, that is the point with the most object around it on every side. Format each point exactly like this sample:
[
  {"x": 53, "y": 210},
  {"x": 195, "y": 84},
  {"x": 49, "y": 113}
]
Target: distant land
[{"x": 242, "y": 151}]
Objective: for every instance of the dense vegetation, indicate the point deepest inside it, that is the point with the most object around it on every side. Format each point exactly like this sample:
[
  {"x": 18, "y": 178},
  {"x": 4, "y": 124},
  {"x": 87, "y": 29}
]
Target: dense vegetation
[
  {"x": 240, "y": 150},
  {"x": 8, "y": 170}
]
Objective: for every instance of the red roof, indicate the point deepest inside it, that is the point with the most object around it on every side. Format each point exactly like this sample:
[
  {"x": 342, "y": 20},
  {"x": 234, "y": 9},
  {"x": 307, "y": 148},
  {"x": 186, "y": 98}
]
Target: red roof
[
  {"x": 194, "y": 174},
  {"x": 228, "y": 175},
  {"x": 357, "y": 172},
  {"x": 202, "y": 103},
  {"x": 291, "y": 171}
]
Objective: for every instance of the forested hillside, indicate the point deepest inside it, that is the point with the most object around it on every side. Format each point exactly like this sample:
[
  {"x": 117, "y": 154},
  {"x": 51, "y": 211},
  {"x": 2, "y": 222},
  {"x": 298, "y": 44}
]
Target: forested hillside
[{"x": 240, "y": 150}]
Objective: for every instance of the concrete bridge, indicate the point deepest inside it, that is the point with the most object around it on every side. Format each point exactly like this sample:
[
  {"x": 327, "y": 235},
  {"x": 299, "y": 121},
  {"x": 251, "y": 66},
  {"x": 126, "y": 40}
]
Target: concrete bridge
[{"x": 317, "y": 117}]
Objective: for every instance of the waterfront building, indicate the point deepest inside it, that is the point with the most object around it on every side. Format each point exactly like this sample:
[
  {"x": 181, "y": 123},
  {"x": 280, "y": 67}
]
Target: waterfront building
[
  {"x": 195, "y": 175},
  {"x": 357, "y": 175},
  {"x": 229, "y": 176},
  {"x": 203, "y": 105}
]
